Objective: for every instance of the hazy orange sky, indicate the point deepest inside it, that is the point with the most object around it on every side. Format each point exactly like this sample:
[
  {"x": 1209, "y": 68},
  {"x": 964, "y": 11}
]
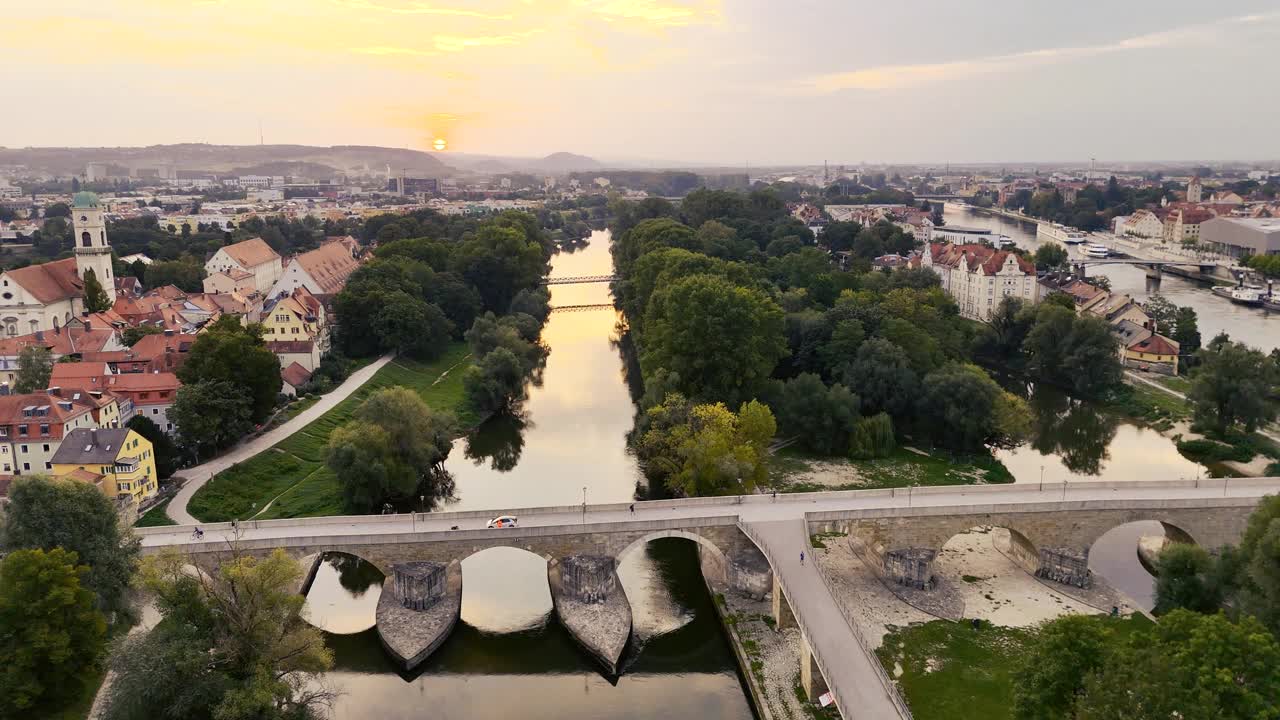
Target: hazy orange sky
[{"x": 725, "y": 81}]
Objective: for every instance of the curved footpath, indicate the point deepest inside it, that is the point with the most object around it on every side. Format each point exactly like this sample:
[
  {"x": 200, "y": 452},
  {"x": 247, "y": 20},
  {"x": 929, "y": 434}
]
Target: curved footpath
[
  {"x": 1146, "y": 381},
  {"x": 200, "y": 474}
]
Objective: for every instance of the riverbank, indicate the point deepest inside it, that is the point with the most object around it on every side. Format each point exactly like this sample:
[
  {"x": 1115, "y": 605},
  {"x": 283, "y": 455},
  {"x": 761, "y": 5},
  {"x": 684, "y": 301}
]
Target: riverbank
[{"x": 290, "y": 479}]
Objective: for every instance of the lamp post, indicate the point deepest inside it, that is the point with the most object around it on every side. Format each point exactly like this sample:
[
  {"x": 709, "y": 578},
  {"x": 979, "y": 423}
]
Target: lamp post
[{"x": 584, "y": 504}]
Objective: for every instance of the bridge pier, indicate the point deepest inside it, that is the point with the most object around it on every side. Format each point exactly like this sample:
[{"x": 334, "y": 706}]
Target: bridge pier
[
  {"x": 783, "y": 617},
  {"x": 912, "y": 567},
  {"x": 1066, "y": 565},
  {"x": 419, "y": 606},
  {"x": 592, "y": 605},
  {"x": 811, "y": 679}
]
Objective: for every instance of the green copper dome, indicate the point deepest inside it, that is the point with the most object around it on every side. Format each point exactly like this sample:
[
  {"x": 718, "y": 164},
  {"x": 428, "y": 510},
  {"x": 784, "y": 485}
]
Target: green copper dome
[{"x": 85, "y": 200}]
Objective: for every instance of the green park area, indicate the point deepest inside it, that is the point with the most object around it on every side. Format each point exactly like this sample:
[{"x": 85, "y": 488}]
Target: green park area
[
  {"x": 954, "y": 671},
  {"x": 292, "y": 476}
]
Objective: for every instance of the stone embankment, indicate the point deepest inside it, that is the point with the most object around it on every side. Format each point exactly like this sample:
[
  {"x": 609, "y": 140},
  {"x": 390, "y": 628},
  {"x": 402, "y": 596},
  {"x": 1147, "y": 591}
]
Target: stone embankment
[
  {"x": 592, "y": 605},
  {"x": 418, "y": 609}
]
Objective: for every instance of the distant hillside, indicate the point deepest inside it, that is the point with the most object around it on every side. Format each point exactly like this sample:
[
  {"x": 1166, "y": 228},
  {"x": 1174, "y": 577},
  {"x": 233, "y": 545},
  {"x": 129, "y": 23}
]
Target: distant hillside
[
  {"x": 564, "y": 162},
  {"x": 353, "y": 159}
]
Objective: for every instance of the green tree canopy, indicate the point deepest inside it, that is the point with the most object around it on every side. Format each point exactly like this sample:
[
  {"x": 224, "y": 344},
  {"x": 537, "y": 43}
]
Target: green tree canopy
[
  {"x": 1185, "y": 579},
  {"x": 1062, "y": 655},
  {"x": 35, "y": 367},
  {"x": 235, "y": 353},
  {"x": 708, "y": 449},
  {"x": 230, "y": 644},
  {"x": 211, "y": 415},
  {"x": 1232, "y": 386},
  {"x": 50, "y": 513},
  {"x": 822, "y": 418},
  {"x": 95, "y": 297},
  {"x": 411, "y": 326},
  {"x": 722, "y": 340},
  {"x": 50, "y": 632}
]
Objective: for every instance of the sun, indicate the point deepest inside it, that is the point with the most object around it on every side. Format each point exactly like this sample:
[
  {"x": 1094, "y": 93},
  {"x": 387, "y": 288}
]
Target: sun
[{"x": 439, "y": 144}]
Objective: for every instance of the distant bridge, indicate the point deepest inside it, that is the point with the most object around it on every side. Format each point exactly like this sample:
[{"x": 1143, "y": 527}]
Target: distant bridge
[
  {"x": 582, "y": 308},
  {"x": 1155, "y": 268},
  {"x": 578, "y": 279}
]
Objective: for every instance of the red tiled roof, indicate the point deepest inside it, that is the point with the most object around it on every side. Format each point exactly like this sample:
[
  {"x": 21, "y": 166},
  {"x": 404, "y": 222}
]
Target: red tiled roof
[
  {"x": 65, "y": 373},
  {"x": 295, "y": 375},
  {"x": 51, "y": 281},
  {"x": 976, "y": 256},
  {"x": 1155, "y": 345},
  {"x": 68, "y": 341},
  {"x": 251, "y": 253},
  {"x": 329, "y": 265}
]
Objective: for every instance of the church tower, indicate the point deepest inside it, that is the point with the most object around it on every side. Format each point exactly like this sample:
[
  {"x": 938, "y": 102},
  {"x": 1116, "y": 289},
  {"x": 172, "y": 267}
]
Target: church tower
[
  {"x": 92, "y": 250},
  {"x": 1195, "y": 190}
]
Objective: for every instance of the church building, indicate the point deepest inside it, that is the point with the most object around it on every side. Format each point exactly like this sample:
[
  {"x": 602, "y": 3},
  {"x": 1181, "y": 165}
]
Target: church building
[{"x": 47, "y": 296}]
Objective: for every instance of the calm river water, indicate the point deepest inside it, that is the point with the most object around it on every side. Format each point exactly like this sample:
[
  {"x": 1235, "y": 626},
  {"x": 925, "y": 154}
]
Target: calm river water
[{"x": 508, "y": 657}]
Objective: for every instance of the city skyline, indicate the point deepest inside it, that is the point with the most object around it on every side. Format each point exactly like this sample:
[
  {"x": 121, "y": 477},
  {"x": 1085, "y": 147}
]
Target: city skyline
[{"x": 699, "y": 82}]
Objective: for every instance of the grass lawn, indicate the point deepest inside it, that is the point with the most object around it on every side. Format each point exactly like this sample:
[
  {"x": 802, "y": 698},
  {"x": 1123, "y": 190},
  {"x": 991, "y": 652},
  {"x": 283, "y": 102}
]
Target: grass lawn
[
  {"x": 155, "y": 517},
  {"x": 292, "y": 477},
  {"x": 1154, "y": 407},
  {"x": 900, "y": 469},
  {"x": 949, "y": 671}
]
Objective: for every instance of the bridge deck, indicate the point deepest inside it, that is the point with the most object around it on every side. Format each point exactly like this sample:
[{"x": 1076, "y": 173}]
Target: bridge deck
[{"x": 853, "y": 673}]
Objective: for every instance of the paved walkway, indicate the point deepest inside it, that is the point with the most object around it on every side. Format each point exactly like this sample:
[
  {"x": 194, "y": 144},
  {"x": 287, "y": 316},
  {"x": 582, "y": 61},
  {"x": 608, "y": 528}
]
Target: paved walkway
[
  {"x": 199, "y": 475},
  {"x": 1135, "y": 376},
  {"x": 853, "y": 673}
]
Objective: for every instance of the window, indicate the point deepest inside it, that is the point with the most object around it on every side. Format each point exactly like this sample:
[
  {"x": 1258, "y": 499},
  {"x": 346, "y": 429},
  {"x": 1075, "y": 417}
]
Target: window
[
  {"x": 26, "y": 466},
  {"x": 44, "y": 428},
  {"x": 45, "y": 447},
  {"x": 22, "y": 429},
  {"x": 155, "y": 411},
  {"x": 48, "y": 466},
  {"x": 24, "y": 448}
]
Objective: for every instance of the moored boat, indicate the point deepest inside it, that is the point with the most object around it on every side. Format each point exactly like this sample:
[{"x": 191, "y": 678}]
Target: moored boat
[{"x": 1250, "y": 295}]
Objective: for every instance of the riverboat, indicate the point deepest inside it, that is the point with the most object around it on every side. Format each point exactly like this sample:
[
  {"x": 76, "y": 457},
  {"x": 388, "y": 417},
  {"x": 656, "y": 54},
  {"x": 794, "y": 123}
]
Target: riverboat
[
  {"x": 1054, "y": 232},
  {"x": 1250, "y": 295},
  {"x": 1094, "y": 250}
]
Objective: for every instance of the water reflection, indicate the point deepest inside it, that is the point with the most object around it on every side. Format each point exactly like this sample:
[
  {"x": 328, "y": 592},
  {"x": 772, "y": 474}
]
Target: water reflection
[
  {"x": 575, "y": 423},
  {"x": 343, "y": 597},
  {"x": 1073, "y": 430},
  {"x": 507, "y": 655},
  {"x": 1114, "y": 556},
  {"x": 499, "y": 440}
]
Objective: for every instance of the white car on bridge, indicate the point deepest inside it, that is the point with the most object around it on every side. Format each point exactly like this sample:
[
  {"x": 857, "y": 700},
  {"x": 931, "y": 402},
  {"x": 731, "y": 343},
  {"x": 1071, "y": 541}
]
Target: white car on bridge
[{"x": 503, "y": 521}]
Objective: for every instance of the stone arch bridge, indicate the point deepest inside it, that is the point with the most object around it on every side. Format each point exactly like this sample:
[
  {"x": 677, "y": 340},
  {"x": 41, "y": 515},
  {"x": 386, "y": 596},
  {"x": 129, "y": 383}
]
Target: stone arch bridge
[{"x": 746, "y": 544}]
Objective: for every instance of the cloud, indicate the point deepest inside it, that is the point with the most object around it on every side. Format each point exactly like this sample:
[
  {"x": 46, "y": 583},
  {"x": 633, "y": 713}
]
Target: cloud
[
  {"x": 441, "y": 44},
  {"x": 652, "y": 12},
  {"x": 900, "y": 76},
  {"x": 419, "y": 8}
]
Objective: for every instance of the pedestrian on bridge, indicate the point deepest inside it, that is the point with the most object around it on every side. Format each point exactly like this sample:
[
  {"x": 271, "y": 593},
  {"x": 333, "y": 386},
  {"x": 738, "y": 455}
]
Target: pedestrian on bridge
[
  {"x": 801, "y": 557},
  {"x": 633, "y": 508}
]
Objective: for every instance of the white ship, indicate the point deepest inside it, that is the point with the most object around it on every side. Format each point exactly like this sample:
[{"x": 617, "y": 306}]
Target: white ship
[
  {"x": 1059, "y": 234},
  {"x": 1094, "y": 250}
]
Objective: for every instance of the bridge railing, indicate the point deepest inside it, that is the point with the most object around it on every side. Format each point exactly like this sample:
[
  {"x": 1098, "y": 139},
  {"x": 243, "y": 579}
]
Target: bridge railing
[{"x": 890, "y": 687}]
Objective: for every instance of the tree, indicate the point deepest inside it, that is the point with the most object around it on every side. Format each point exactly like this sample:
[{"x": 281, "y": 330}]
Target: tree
[
  {"x": 1162, "y": 312},
  {"x": 50, "y": 632},
  {"x": 230, "y": 644},
  {"x": 211, "y": 415},
  {"x": 882, "y": 377},
  {"x": 823, "y": 418},
  {"x": 1062, "y": 655},
  {"x": 184, "y": 275},
  {"x": 412, "y": 327},
  {"x": 717, "y": 452},
  {"x": 1188, "y": 666},
  {"x": 95, "y": 298},
  {"x": 1233, "y": 386},
  {"x": 966, "y": 409},
  {"x": 1076, "y": 353},
  {"x": 873, "y": 437},
  {"x": 46, "y": 514},
  {"x": 229, "y": 351},
  {"x": 58, "y": 210},
  {"x": 1050, "y": 256},
  {"x": 132, "y": 335},
  {"x": 722, "y": 340},
  {"x": 499, "y": 262},
  {"x": 1001, "y": 341},
  {"x": 392, "y": 451},
  {"x": 1185, "y": 579},
  {"x": 167, "y": 455},
  {"x": 1186, "y": 331},
  {"x": 35, "y": 366},
  {"x": 495, "y": 383},
  {"x": 1258, "y": 560}
]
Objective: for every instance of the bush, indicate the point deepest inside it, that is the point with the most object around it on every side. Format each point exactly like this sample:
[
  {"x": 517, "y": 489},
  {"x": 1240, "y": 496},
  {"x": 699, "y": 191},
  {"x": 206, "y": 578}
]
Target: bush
[{"x": 1206, "y": 451}]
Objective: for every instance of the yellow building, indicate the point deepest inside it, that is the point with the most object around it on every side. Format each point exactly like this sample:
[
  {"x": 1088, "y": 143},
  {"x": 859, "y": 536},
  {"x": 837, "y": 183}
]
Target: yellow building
[
  {"x": 1156, "y": 354},
  {"x": 118, "y": 460},
  {"x": 296, "y": 316}
]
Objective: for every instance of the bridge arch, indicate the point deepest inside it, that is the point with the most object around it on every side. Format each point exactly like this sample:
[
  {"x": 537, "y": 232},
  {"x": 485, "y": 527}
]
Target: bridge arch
[
  {"x": 715, "y": 568},
  {"x": 1021, "y": 550}
]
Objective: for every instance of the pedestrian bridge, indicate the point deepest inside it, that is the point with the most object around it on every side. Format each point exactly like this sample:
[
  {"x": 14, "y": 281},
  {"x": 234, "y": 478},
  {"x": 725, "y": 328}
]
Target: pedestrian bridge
[
  {"x": 577, "y": 279},
  {"x": 748, "y": 544}
]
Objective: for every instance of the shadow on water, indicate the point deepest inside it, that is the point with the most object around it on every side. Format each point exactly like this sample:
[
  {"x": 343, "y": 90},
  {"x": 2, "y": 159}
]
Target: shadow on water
[{"x": 1072, "y": 429}]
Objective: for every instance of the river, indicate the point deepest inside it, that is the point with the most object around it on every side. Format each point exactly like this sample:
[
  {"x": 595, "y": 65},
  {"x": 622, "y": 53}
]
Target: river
[{"x": 508, "y": 657}]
